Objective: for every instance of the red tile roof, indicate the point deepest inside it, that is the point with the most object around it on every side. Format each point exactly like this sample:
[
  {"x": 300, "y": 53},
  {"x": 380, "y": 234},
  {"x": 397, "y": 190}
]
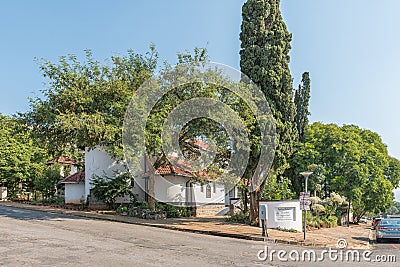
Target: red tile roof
[
  {"x": 63, "y": 160},
  {"x": 169, "y": 169},
  {"x": 75, "y": 178}
]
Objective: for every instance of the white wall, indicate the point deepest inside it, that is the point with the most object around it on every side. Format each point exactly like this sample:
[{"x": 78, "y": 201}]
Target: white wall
[
  {"x": 170, "y": 189},
  {"x": 74, "y": 193},
  {"x": 285, "y": 214},
  {"x": 173, "y": 189},
  {"x": 216, "y": 198},
  {"x": 99, "y": 163}
]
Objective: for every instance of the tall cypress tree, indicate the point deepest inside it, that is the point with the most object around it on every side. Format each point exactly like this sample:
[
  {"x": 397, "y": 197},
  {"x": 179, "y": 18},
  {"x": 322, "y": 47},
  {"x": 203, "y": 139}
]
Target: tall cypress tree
[
  {"x": 264, "y": 57},
  {"x": 301, "y": 100}
]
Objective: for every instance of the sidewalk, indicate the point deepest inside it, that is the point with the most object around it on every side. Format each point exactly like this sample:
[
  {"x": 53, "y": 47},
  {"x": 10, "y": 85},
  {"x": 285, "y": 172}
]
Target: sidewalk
[{"x": 357, "y": 236}]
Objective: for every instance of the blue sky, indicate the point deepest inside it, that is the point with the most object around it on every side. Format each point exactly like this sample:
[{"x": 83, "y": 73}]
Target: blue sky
[{"x": 351, "y": 48}]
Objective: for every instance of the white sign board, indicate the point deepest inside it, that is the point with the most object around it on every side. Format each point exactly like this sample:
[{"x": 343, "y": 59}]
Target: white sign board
[{"x": 284, "y": 214}]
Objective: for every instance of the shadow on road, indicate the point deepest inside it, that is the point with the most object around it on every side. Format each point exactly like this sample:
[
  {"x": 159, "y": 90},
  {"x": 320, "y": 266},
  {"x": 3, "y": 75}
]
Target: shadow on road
[{"x": 23, "y": 214}]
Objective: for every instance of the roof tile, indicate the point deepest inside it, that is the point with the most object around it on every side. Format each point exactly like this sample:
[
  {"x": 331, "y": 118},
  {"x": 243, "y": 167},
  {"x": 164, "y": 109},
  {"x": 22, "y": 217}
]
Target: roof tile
[{"x": 75, "y": 178}]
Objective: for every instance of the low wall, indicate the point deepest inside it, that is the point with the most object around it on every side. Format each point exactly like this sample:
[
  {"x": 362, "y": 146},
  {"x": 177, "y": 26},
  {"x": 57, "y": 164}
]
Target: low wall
[
  {"x": 285, "y": 214},
  {"x": 208, "y": 210}
]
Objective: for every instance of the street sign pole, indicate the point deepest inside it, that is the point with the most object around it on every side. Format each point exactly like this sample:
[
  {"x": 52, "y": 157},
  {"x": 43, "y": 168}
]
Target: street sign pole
[
  {"x": 305, "y": 174},
  {"x": 305, "y": 211}
]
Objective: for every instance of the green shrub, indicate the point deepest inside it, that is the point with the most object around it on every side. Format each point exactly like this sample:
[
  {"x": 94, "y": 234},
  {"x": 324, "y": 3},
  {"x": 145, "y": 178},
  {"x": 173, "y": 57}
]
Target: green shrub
[
  {"x": 108, "y": 189},
  {"x": 58, "y": 201},
  {"x": 331, "y": 221},
  {"x": 291, "y": 230},
  {"x": 122, "y": 209},
  {"x": 239, "y": 217},
  {"x": 173, "y": 211}
]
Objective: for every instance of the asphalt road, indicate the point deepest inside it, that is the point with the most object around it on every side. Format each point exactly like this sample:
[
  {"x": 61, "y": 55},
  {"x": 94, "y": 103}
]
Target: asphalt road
[
  {"x": 32, "y": 238},
  {"x": 389, "y": 248}
]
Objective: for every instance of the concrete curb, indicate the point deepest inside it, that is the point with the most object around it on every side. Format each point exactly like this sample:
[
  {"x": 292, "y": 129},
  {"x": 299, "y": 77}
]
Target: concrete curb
[{"x": 114, "y": 218}]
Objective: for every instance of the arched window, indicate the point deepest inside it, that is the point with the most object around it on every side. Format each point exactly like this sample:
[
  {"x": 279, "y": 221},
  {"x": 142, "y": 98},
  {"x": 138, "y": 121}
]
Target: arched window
[{"x": 208, "y": 191}]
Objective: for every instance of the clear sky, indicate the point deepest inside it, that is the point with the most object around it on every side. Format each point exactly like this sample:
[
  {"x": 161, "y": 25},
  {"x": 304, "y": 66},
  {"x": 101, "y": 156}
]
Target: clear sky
[{"x": 351, "y": 48}]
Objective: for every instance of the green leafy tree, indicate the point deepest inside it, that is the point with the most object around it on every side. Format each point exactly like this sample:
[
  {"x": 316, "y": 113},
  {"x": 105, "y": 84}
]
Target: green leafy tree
[
  {"x": 376, "y": 198},
  {"x": 317, "y": 178},
  {"x": 356, "y": 163},
  {"x": 277, "y": 189},
  {"x": 84, "y": 103},
  {"x": 21, "y": 159},
  {"x": 264, "y": 58},
  {"x": 301, "y": 100},
  {"x": 48, "y": 181},
  {"x": 392, "y": 172},
  {"x": 198, "y": 129},
  {"x": 395, "y": 208}
]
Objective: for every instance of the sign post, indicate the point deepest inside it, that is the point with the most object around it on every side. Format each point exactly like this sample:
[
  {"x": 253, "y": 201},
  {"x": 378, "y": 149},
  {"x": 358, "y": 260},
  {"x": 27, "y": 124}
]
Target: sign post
[
  {"x": 262, "y": 210},
  {"x": 305, "y": 198},
  {"x": 305, "y": 205}
]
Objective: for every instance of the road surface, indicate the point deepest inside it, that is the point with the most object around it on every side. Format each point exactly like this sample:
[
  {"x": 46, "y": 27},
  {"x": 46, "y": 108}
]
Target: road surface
[{"x": 32, "y": 238}]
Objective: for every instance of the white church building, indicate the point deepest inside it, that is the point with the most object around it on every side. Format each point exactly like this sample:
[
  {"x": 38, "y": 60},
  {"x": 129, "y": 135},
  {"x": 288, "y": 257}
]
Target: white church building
[{"x": 171, "y": 184}]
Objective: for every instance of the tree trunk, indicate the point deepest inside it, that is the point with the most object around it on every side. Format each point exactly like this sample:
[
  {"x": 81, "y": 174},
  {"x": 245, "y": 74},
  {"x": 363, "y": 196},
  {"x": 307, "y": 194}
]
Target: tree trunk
[
  {"x": 348, "y": 215},
  {"x": 151, "y": 200},
  {"x": 254, "y": 197},
  {"x": 245, "y": 201},
  {"x": 253, "y": 206}
]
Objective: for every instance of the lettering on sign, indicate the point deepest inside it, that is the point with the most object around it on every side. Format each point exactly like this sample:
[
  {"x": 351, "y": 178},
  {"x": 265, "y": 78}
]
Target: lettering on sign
[
  {"x": 305, "y": 201},
  {"x": 284, "y": 214}
]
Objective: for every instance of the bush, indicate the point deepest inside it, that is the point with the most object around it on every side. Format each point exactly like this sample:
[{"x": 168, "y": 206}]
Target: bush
[
  {"x": 174, "y": 211},
  {"x": 239, "y": 217},
  {"x": 291, "y": 230},
  {"x": 122, "y": 209},
  {"x": 57, "y": 201},
  {"x": 313, "y": 221},
  {"x": 162, "y": 210},
  {"x": 318, "y": 208},
  {"x": 108, "y": 189},
  {"x": 327, "y": 214},
  {"x": 331, "y": 221}
]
